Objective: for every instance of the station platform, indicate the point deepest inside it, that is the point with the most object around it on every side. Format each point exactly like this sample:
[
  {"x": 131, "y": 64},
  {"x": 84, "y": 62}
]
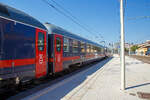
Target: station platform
[{"x": 101, "y": 82}]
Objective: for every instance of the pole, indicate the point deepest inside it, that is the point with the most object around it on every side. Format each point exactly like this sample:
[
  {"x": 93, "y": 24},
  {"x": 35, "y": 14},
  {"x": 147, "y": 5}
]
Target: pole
[
  {"x": 129, "y": 50},
  {"x": 112, "y": 48},
  {"x": 122, "y": 46}
]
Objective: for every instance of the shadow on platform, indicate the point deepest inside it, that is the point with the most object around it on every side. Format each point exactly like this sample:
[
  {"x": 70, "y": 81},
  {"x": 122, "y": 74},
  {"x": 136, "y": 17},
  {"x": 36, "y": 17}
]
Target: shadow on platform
[
  {"x": 58, "y": 89},
  {"x": 137, "y": 86}
]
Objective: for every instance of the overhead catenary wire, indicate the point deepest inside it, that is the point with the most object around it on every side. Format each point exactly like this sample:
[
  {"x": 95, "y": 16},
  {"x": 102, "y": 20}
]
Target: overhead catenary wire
[
  {"x": 66, "y": 16},
  {"x": 74, "y": 17},
  {"x": 71, "y": 17},
  {"x": 65, "y": 10},
  {"x": 141, "y": 39},
  {"x": 139, "y": 17}
]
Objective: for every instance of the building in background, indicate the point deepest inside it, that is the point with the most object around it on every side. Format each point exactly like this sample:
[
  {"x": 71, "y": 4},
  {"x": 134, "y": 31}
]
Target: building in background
[
  {"x": 130, "y": 48},
  {"x": 144, "y": 48}
]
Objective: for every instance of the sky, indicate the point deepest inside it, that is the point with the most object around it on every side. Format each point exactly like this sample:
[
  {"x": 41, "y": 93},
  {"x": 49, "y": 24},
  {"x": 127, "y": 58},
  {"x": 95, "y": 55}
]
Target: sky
[{"x": 101, "y": 17}]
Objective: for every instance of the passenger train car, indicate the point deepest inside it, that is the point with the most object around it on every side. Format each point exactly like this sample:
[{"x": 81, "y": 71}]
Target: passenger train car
[
  {"x": 23, "y": 46},
  {"x": 65, "y": 49},
  {"x": 30, "y": 50}
]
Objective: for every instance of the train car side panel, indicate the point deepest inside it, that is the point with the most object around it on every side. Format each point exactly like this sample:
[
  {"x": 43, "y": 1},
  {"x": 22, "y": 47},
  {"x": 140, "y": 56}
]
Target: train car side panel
[{"x": 17, "y": 49}]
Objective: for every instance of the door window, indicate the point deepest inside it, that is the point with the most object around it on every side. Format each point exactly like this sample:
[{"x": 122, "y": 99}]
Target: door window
[
  {"x": 41, "y": 41},
  {"x": 58, "y": 44}
]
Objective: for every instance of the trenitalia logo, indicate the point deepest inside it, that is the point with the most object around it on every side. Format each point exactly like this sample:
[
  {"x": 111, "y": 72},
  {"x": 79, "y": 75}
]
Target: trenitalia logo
[{"x": 40, "y": 58}]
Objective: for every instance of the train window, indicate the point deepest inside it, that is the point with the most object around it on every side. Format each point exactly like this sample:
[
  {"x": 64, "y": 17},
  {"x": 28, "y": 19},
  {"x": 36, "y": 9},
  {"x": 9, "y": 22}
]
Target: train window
[
  {"x": 92, "y": 49},
  {"x": 41, "y": 41},
  {"x": 99, "y": 49},
  {"x": 102, "y": 50},
  {"x": 3, "y": 10},
  {"x": 95, "y": 49},
  {"x": 82, "y": 47},
  {"x": 66, "y": 45},
  {"x": 75, "y": 46},
  {"x": 88, "y": 48},
  {"x": 58, "y": 44}
]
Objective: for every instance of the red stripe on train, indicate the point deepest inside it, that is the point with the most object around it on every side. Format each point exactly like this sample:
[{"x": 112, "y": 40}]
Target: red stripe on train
[
  {"x": 66, "y": 58},
  {"x": 71, "y": 58},
  {"x": 16, "y": 62},
  {"x": 75, "y": 57}
]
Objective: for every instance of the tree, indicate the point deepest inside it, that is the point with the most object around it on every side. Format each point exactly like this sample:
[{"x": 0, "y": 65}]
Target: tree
[
  {"x": 133, "y": 48},
  {"x": 126, "y": 50}
]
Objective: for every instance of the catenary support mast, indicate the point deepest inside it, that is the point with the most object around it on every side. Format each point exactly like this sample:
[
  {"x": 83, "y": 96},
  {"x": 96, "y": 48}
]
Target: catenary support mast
[{"x": 122, "y": 46}]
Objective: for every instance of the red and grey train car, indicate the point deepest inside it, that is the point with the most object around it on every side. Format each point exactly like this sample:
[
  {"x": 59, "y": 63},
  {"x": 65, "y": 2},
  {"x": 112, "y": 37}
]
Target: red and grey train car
[
  {"x": 29, "y": 50},
  {"x": 66, "y": 49}
]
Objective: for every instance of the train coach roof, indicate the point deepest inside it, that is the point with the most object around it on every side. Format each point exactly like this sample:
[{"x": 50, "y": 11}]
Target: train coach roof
[
  {"x": 59, "y": 30},
  {"x": 14, "y": 14}
]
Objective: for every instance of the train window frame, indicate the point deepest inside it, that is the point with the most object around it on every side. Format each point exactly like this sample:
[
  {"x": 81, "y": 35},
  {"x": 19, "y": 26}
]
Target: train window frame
[
  {"x": 58, "y": 46},
  {"x": 75, "y": 46},
  {"x": 41, "y": 43},
  {"x": 66, "y": 44}
]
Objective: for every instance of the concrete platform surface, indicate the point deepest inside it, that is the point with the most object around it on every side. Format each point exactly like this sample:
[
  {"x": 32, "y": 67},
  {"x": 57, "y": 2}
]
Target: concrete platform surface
[{"x": 101, "y": 82}]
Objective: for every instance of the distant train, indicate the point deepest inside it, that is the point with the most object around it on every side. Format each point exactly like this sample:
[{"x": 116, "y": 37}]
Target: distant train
[{"x": 30, "y": 50}]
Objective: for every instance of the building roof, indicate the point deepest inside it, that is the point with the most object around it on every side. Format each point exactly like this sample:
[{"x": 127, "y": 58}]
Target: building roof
[
  {"x": 14, "y": 14},
  {"x": 144, "y": 45},
  {"x": 55, "y": 29}
]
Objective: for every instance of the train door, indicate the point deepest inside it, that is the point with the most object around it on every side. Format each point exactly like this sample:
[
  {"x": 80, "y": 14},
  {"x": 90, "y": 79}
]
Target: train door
[
  {"x": 41, "y": 56},
  {"x": 58, "y": 48}
]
